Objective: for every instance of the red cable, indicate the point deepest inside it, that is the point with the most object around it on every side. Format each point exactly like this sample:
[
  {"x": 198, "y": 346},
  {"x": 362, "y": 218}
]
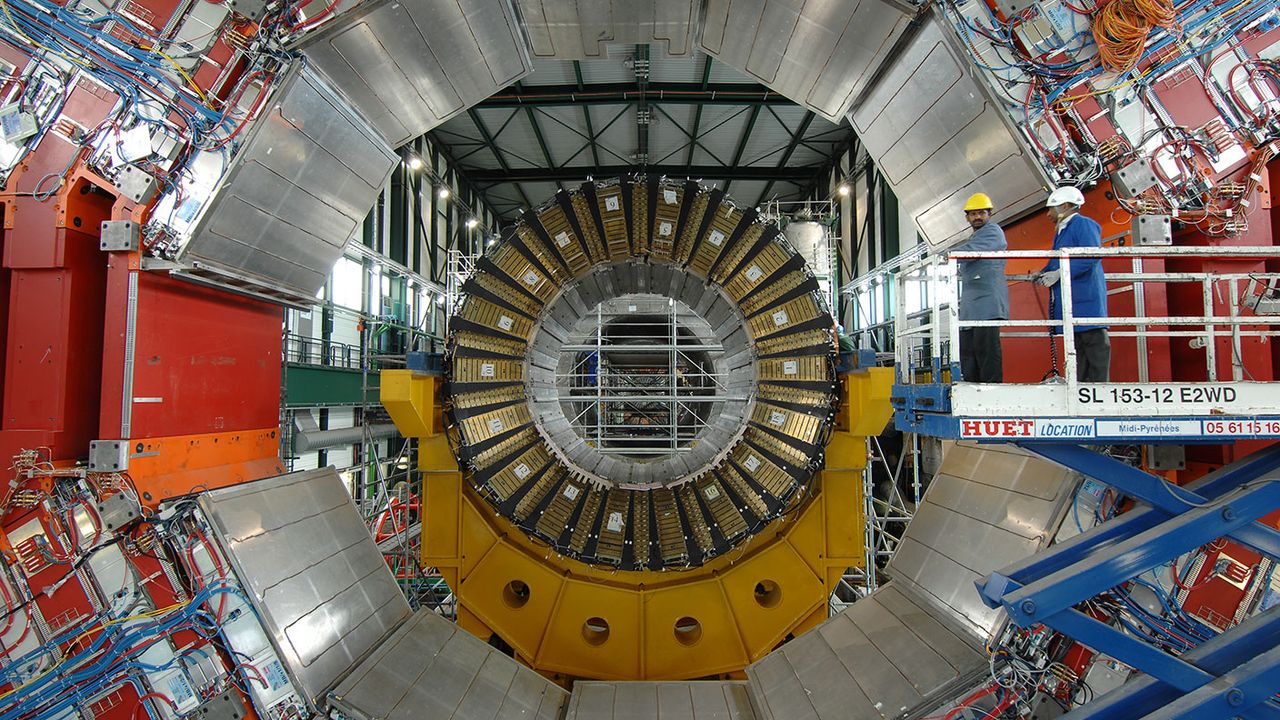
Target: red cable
[
  {"x": 965, "y": 703},
  {"x": 1177, "y": 577},
  {"x": 156, "y": 696},
  {"x": 253, "y": 113},
  {"x": 311, "y": 22}
]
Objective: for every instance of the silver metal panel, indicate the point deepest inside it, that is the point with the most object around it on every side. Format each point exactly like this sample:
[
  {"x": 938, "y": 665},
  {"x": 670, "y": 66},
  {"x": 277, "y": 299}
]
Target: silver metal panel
[
  {"x": 295, "y": 192},
  {"x": 409, "y": 65},
  {"x": 882, "y": 658},
  {"x": 822, "y": 55},
  {"x": 697, "y": 700},
  {"x": 988, "y": 506},
  {"x": 311, "y": 570},
  {"x": 432, "y": 668},
  {"x": 576, "y": 30},
  {"x": 777, "y": 692},
  {"x": 929, "y": 123},
  {"x": 912, "y": 642},
  {"x": 957, "y": 652}
]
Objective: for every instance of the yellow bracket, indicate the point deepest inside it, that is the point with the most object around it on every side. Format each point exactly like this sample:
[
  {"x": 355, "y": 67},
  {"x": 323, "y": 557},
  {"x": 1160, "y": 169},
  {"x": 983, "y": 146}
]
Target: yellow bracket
[{"x": 569, "y": 619}]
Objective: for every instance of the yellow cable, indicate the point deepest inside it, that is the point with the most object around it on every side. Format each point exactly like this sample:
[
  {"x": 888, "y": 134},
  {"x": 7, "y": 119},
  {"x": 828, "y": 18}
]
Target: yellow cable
[
  {"x": 13, "y": 23},
  {"x": 177, "y": 67},
  {"x": 90, "y": 631}
]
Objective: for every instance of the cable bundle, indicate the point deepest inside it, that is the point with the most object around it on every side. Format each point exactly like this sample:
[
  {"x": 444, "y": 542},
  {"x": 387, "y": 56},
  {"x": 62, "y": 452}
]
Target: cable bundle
[{"x": 1121, "y": 27}]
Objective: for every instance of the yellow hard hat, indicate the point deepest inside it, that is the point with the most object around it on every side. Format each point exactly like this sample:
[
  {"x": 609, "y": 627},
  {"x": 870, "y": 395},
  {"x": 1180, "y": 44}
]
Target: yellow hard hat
[{"x": 978, "y": 201}]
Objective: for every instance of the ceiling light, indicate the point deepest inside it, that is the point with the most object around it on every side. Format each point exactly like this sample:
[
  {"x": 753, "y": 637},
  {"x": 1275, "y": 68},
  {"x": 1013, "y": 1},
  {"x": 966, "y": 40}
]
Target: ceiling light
[
  {"x": 843, "y": 189},
  {"x": 442, "y": 192},
  {"x": 472, "y": 222},
  {"x": 414, "y": 162}
]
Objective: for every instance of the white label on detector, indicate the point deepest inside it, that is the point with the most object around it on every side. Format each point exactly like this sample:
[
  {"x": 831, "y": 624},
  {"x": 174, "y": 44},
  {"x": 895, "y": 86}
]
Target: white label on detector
[
  {"x": 715, "y": 238},
  {"x": 522, "y": 471},
  {"x": 631, "y": 308},
  {"x": 664, "y": 229},
  {"x": 531, "y": 277},
  {"x": 669, "y": 197},
  {"x": 570, "y": 492},
  {"x": 753, "y": 463},
  {"x": 495, "y": 425},
  {"x": 505, "y": 322},
  {"x": 562, "y": 239},
  {"x": 615, "y": 522},
  {"x": 777, "y": 418},
  {"x": 486, "y": 369},
  {"x": 754, "y": 272},
  {"x": 612, "y": 203},
  {"x": 712, "y": 492},
  {"x": 780, "y": 318},
  {"x": 790, "y": 367}
]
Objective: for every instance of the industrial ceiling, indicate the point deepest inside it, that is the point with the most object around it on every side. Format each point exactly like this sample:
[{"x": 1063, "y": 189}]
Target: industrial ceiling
[{"x": 635, "y": 106}]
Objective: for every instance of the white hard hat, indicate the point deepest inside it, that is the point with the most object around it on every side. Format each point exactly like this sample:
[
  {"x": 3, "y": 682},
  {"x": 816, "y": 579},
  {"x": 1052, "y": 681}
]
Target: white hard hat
[{"x": 1064, "y": 195}]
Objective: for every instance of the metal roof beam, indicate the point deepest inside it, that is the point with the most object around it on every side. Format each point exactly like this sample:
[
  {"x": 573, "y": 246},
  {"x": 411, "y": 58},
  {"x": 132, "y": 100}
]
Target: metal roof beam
[
  {"x": 586, "y": 113},
  {"x": 493, "y": 176},
  {"x": 697, "y": 114},
  {"x": 796, "y": 137},
  {"x": 644, "y": 116},
  {"x": 615, "y": 93},
  {"x": 742, "y": 143},
  {"x": 463, "y": 173},
  {"x": 537, "y": 133},
  {"x": 497, "y": 152},
  {"x": 693, "y": 141}
]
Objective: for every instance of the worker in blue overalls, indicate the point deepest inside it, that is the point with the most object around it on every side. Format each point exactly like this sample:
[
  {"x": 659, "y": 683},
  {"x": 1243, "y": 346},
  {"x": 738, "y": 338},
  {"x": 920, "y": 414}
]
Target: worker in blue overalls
[
  {"x": 1088, "y": 284},
  {"x": 984, "y": 294}
]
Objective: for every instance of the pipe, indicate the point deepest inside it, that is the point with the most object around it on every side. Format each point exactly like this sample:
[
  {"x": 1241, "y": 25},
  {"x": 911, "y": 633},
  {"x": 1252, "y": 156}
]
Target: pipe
[{"x": 307, "y": 440}]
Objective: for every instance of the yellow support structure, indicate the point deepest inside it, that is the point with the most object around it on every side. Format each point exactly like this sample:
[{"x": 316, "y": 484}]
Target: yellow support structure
[{"x": 569, "y": 619}]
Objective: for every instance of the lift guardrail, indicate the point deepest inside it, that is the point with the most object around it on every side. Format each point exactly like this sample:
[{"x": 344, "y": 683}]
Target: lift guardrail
[{"x": 1228, "y": 403}]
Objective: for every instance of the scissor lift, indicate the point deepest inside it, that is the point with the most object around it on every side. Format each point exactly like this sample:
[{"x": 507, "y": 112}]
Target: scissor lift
[{"x": 1235, "y": 674}]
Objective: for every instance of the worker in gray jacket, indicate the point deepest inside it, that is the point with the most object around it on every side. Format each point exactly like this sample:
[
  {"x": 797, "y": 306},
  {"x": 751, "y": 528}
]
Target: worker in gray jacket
[{"x": 984, "y": 295}]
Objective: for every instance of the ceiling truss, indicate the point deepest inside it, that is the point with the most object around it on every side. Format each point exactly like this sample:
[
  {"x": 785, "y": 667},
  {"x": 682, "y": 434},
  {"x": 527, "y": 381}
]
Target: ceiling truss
[{"x": 523, "y": 144}]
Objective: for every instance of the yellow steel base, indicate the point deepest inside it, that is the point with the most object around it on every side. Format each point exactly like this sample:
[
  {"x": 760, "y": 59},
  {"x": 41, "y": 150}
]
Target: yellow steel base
[{"x": 567, "y": 618}]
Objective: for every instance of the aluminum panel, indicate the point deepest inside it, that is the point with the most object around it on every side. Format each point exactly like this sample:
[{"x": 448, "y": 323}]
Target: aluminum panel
[
  {"x": 299, "y": 187},
  {"x": 312, "y": 572},
  {"x": 884, "y": 657},
  {"x": 777, "y": 691},
  {"x": 968, "y": 527},
  {"x": 919, "y": 639},
  {"x": 920, "y": 665},
  {"x": 575, "y": 30},
  {"x": 822, "y": 55},
  {"x": 946, "y": 643},
  {"x": 432, "y": 668},
  {"x": 410, "y": 65},
  {"x": 929, "y": 122},
  {"x": 697, "y": 700}
]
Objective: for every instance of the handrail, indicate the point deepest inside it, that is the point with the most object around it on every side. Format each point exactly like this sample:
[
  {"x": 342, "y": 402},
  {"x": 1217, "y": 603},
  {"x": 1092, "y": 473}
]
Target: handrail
[
  {"x": 306, "y": 350},
  {"x": 1227, "y": 300}
]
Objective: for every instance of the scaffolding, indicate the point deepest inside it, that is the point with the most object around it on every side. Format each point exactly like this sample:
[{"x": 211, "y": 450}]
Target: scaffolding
[
  {"x": 642, "y": 383},
  {"x": 891, "y": 491}
]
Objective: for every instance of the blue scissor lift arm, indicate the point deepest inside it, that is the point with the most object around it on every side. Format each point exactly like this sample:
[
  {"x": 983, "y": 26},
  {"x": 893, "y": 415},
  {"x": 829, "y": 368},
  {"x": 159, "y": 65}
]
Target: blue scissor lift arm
[{"x": 1234, "y": 674}]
